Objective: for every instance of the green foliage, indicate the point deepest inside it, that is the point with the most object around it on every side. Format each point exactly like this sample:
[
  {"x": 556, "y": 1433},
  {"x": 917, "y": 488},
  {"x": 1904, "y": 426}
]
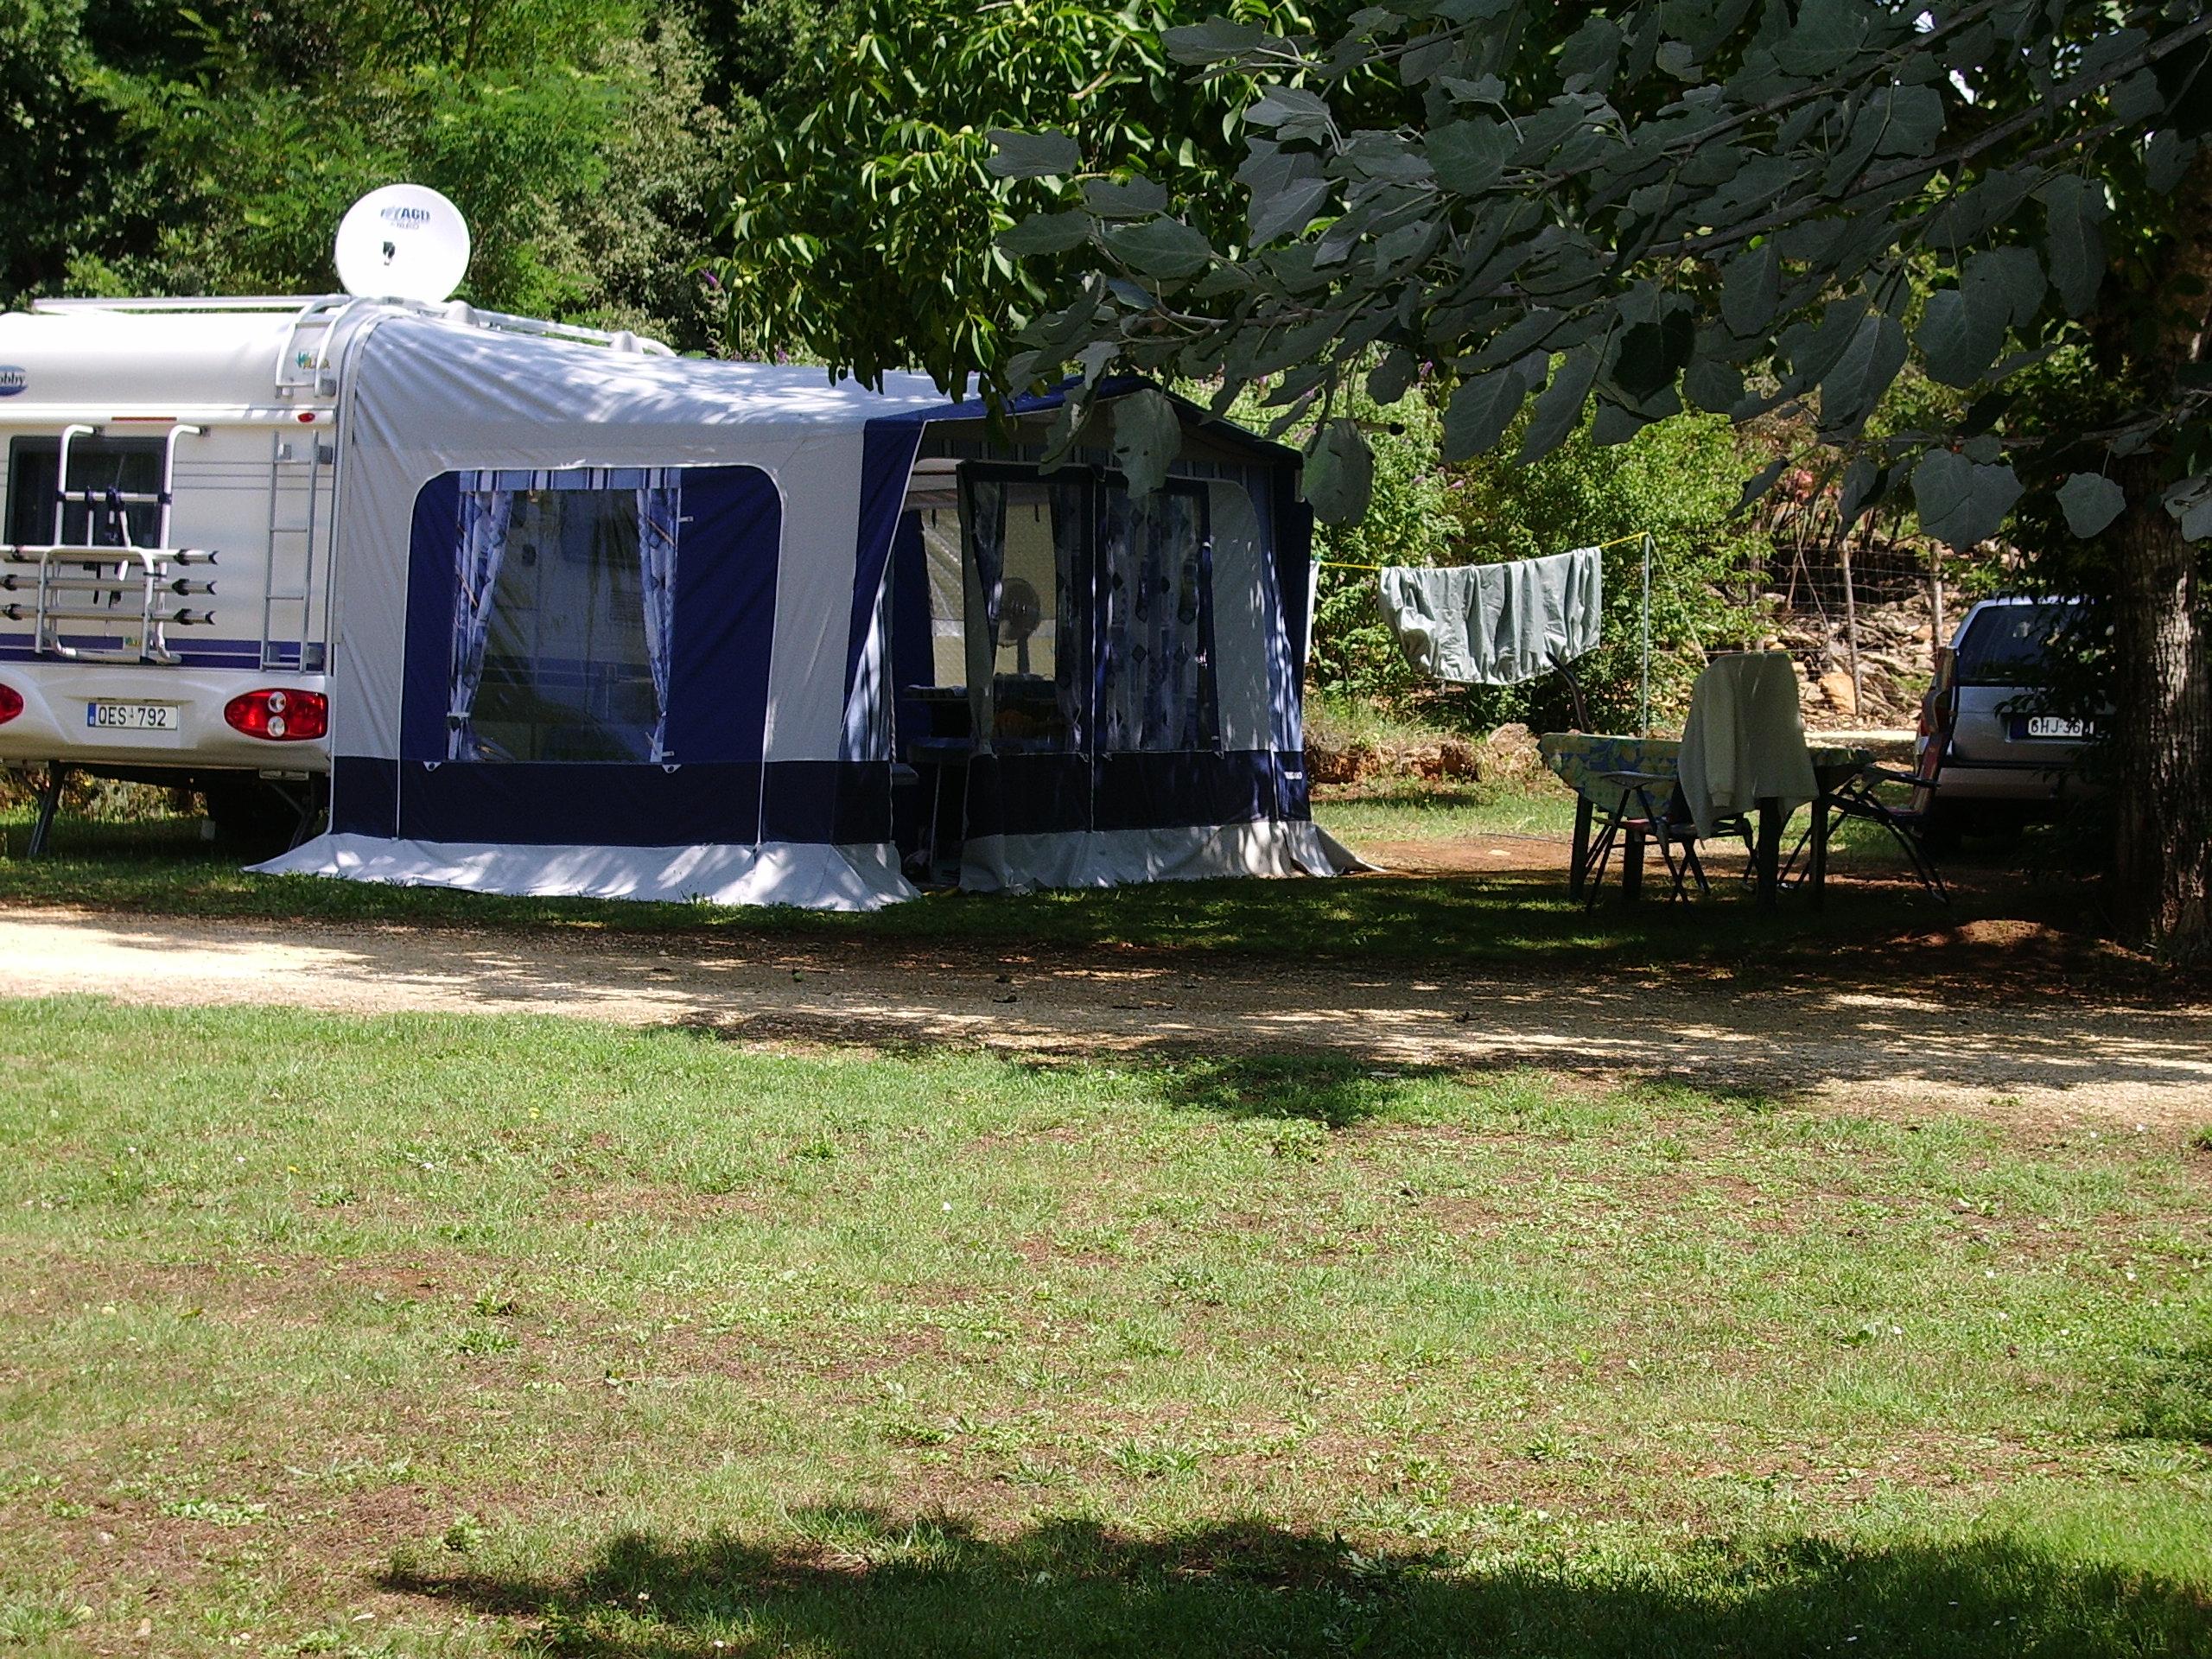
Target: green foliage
[
  {"x": 1678, "y": 480},
  {"x": 220, "y": 147},
  {"x": 1674, "y": 207},
  {"x": 866, "y": 212}
]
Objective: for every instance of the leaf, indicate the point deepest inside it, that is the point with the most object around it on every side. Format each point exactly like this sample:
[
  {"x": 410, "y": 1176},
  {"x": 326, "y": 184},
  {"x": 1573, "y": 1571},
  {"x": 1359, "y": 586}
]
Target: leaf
[
  {"x": 1750, "y": 287},
  {"x": 1651, "y": 355},
  {"x": 1759, "y": 483},
  {"x": 1279, "y": 106},
  {"x": 1392, "y": 378},
  {"x": 1829, "y": 33},
  {"x": 1916, "y": 121},
  {"x": 1290, "y": 209},
  {"x": 1047, "y": 233},
  {"x": 1138, "y": 199},
  {"x": 1161, "y": 247},
  {"x": 1147, "y": 433},
  {"x": 1713, "y": 385},
  {"x": 1591, "y": 54},
  {"x": 1469, "y": 156},
  {"x": 1339, "y": 474},
  {"x": 1287, "y": 189},
  {"x": 2090, "y": 502},
  {"x": 1559, "y": 410},
  {"x": 1850, "y": 391},
  {"x": 1963, "y": 329},
  {"x": 1032, "y": 155},
  {"x": 2166, "y": 159},
  {"x": 1958, "y": 340},
  {"x": 2189, "y": 502},
  {"x": 1480, "y": 410},
  {"x": 1615, "y": 424},
  {"x": 2017, "y": 273},
  {"x": 2072, "y": 207},
  {"x": 1864, "y": 484},
  {"x": 1962, "y": 502},
  {"x": 1811, "y": 349},
  {"x": 1211, "y": 42}
]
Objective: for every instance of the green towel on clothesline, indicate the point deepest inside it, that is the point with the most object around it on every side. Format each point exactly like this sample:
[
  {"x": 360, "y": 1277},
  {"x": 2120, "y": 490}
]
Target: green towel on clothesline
[{"x": 1496, "y": 624}]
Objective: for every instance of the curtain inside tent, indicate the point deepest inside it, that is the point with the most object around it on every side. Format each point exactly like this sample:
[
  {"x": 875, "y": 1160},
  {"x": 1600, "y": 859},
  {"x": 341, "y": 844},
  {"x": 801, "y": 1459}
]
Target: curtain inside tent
[
  {"x": 659, "y": 507},
  {"x": 486, "y": 513},
  {"x": 1156, "y": 672}
]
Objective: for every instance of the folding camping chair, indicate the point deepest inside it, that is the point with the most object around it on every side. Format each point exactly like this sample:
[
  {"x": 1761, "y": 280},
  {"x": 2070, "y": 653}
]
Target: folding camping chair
[
  {"x": 1641, "y": 813},
  {"x": 1857, "y": 797}
]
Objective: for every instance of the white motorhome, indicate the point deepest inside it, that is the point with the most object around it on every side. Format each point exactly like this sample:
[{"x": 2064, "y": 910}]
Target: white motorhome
[{"x": 172, "y": 472}]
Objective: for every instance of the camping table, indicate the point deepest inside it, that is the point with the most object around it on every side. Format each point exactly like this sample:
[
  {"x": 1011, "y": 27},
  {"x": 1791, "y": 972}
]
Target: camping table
[{"x": 1582, "y": 760}]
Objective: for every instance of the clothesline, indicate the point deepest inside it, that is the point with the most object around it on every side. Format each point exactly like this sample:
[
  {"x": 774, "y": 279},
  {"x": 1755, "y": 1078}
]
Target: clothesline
[{"x": 1344, "y": 564}]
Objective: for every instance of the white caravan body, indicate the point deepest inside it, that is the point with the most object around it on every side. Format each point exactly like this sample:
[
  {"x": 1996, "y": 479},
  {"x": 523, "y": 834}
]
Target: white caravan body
[{"x": 184, "y": 560}]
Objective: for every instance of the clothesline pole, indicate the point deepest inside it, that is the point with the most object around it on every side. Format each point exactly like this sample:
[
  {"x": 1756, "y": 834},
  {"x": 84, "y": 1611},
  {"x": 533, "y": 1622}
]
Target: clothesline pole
[{"x": 1644, "y": 677}]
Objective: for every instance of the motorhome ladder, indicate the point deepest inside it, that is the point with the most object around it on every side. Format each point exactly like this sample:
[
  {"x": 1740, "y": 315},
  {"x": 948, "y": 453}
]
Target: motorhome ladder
[
  {"x": 298, "y": 465},
  {"x": 305, "y": 365},
  {"x": 115, "y": 592}
]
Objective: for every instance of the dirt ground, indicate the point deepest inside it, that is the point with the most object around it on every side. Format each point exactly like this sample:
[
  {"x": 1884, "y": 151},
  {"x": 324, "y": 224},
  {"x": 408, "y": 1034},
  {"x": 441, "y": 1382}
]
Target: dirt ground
[{"x": 1855, "y": 1042}]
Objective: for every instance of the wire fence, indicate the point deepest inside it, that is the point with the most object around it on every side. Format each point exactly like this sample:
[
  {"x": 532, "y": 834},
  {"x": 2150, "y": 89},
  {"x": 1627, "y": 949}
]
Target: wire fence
[{"x": 1862, "y": 606}]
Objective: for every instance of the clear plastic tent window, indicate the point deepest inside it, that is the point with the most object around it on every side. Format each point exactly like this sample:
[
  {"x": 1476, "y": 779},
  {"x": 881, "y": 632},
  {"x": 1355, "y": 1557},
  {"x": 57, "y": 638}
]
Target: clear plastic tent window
[{"x": 561, "y": 639}]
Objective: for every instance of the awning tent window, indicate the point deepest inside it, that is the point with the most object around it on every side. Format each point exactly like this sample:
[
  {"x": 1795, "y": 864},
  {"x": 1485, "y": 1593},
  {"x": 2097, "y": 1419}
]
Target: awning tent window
[
  {"x": 561, "y": 644},
  {"x": 1027, "y": 619}
]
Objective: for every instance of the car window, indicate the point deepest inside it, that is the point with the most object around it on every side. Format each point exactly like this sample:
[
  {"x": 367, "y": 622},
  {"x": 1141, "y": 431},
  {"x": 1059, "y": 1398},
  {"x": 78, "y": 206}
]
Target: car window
[{"x": 2005, "y": 644}]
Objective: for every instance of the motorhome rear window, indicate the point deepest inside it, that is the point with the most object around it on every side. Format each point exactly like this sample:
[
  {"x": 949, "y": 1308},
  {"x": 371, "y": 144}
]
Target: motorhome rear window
[
  {"x": 131, "y": 465},
  {"x": 2010, "y": 645}
]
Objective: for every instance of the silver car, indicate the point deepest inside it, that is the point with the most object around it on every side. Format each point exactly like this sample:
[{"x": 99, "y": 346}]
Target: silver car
[{"x": 1995, "y": 755}]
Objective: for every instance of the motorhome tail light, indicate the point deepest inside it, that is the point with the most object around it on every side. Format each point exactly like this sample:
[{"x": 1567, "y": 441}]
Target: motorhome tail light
[
  {"x": 279, "y": 715},
  {"x": 12, "y": 703}
]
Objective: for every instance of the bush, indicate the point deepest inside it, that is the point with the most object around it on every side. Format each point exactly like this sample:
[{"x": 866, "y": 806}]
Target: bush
[{"x": 1678, "y": 480}]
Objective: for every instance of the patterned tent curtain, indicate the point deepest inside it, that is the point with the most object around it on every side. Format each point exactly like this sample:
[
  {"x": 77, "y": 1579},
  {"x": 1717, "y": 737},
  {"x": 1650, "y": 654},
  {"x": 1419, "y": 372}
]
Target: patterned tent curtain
[
  {"x": 984, "y": 523},
  {"x": 1071, "y": 652},
  {"x": 486, "y": 513},
  {"x": 659, "y": 507},
  {"x": 1152, "y": 675}
]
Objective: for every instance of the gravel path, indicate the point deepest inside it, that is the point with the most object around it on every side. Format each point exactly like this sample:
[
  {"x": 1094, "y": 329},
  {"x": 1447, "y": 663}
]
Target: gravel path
[{"x": 2041, "y": 1063}]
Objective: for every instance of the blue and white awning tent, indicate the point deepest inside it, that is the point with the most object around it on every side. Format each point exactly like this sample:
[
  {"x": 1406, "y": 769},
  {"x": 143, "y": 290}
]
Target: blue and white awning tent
[{"x": 650, "y": 627}]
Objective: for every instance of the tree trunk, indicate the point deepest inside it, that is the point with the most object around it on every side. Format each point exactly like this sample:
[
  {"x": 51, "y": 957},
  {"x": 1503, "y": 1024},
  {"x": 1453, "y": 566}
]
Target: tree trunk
[
  {"x": 2162, "y": 742},
  {"x": 2162, "y": 622}
]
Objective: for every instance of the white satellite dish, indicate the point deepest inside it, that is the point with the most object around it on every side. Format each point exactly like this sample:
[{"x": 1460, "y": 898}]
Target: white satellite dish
[{"x": 403, "y": 242}]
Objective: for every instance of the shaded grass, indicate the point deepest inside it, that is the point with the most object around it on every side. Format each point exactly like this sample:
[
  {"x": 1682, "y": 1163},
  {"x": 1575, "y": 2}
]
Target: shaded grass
[
  {"x": 635, "y": 1342},
  {"x": 891, "y": 1585},
  {"x": 1515, "y": 918}
]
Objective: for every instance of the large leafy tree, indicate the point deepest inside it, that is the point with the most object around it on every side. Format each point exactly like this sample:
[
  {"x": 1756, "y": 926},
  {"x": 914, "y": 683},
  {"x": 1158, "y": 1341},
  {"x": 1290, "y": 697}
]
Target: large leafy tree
[
  {"x": 1738, "y": 206},
  {"x": 865, "y": 213},
  {"x": 213, "y": 150}
]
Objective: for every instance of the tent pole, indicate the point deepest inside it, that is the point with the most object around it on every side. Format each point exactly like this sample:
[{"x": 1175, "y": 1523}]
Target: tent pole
[{"x": 1643, "y": 670}]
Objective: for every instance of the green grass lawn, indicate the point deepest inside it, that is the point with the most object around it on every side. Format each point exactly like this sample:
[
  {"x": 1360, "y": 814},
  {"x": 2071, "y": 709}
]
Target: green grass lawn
[
  {"x": 456, "y": 1336},
  {"x": 1419, "y": 809}
]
